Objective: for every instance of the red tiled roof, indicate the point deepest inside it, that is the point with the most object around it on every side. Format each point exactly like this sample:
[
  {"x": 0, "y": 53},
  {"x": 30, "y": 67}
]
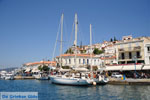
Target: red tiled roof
[
  {"x": 41, "y": 62},
  {"x": 79, "y": 55},
  {"x": 102, "y": 58}
]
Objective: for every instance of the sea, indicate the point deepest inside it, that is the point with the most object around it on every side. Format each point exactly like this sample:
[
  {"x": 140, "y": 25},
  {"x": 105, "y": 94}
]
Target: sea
[{"x": 48, "y": 91}]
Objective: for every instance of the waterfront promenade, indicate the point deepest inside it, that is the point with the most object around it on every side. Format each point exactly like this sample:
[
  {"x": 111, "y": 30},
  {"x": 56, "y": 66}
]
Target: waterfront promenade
[
  {"x": 116, "y": 81},
  {"x": 129, "y": 81}
]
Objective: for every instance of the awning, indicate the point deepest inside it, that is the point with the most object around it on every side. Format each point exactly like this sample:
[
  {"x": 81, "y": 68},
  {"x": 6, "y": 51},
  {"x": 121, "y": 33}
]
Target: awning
[
  {"x": 101, "y": 69},
  {"x": 35, "y": 70},
  {"x": 27, "y": 69},
  {"x": 52, "y": 67},
  {"x": 64, "y": 70},
  {"x": 127, "y": 67},
  {"x": 81, "y": 69}
]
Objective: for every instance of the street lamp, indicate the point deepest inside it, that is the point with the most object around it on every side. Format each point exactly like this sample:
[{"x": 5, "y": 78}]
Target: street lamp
[{"x": 135, "y": 59}]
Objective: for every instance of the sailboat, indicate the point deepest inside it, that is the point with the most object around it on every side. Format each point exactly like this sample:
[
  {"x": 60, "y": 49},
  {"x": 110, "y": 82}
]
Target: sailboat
[
  {"x": 101, "y": 79},
  {"x": 69, "y": 80}
]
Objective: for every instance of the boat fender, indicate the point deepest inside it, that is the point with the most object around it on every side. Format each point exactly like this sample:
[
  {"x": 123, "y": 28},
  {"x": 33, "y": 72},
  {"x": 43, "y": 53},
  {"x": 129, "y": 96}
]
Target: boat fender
[
  {"x": 94, "y": 83},
  {"x": 100, "y": 78}
]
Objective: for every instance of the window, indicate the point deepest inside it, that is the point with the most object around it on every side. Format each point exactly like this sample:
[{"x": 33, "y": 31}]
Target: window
[
  {"x": 137, "y": 43},
  {"x": 122, "y": 55},
  {"x": 83, "y": 61},
  {"x": 79, "y": 61},
  {"x": 129, "y": 46},
  {"x": 91, "y": 61},
  {"x": 138, "y": 54},
  {"x": 121, "y": 46},
  {"x": 130, "y": 55},
  {"x": 87, "y": 61},
  {"x": 95, "y": 62},
  {"x": 69, "y": 61},
  {"x": 148, "y": 49}
]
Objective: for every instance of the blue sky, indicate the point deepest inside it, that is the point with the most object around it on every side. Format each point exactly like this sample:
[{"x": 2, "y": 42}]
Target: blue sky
[{"x": 28, "y": 28}]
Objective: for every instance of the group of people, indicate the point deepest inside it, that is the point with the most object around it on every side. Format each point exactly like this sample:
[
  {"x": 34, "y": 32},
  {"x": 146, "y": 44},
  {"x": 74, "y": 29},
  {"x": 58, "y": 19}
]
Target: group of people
[{"x": 143, "y": 75}]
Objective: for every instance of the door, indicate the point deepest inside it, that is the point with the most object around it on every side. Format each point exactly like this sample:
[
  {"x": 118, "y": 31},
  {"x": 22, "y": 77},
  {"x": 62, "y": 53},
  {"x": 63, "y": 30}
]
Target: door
[{"x": 149, "y": 60}]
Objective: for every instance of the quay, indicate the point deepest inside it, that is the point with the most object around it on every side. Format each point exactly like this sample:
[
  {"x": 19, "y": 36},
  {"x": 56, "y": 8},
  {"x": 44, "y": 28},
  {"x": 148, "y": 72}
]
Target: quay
[
  {"x": 129, "y": 81},
  {"x": 23, "y": 77}
]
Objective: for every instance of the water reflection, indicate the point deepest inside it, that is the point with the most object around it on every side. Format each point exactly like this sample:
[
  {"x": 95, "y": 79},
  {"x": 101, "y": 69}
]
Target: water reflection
[
  {"x": 107, "y": 92},
  {"x": 48, "y": 91}
]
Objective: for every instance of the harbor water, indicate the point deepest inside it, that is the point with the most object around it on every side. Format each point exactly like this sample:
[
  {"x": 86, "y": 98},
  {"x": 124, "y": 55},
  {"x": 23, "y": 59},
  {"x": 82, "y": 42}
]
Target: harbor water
[{"x": 48, "y": 91}]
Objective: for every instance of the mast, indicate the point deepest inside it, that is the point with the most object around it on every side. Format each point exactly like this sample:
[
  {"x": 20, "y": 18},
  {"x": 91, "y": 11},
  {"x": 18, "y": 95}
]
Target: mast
[
  {"x": 91, "y": 46},
  {"x": 76, "y": 30},
  {"x": 62, "y": 17}
]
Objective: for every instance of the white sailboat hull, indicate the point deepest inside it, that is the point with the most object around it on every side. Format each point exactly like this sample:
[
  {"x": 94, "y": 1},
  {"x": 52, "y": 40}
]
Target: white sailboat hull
[
  {"x": 69, "y": 81},
  {"x": 9, "y": 78},
  {"x": 42, "y": 78},
  {"x": 39, "y": 77}
]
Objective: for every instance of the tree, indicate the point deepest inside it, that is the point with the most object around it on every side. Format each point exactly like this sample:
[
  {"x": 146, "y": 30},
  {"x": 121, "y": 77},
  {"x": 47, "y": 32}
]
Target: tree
[
  {"x": 97, "y": 51},
  {"x": 65, "y": 67},
  {"x": 83, "y": 51},
  {"x": 81, "y": 44},
  {"x": 43, "y": 68},
  {"x": 69, "y": 51},
  {"x": 40, "y": 68},
  {"x": 111, "y": 40},
  {"x": 115, "y": 38}
]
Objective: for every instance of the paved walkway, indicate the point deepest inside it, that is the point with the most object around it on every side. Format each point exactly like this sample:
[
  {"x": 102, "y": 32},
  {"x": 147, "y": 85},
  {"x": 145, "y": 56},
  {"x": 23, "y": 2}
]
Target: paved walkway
[{"x": 128, "y": 81}]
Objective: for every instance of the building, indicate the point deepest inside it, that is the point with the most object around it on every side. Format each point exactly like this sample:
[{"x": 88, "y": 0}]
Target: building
[
  {"x": 147, "y": 53},
  {"x": 108, "y": 59},
  {"x": 33, "y": 66},
  {"x": 110, "y": 49},
  {"x": 86, "y": 49},
  {"x": 105, "y": 44},
  {"x": 83, "y": 60},
  {"x": 129, "y": 50},
  {"x": 47, "y": 63}
]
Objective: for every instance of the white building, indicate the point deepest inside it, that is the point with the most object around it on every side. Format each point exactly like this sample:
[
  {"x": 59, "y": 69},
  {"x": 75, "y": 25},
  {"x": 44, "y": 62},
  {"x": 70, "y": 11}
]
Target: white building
[
  {"x": 34, "y": 65},
  {"x": 129, "y": 48},
  {"x": 83, "y": 60},
  {"x": 106, "y": 43},
  {"x": 147, "y": 53},
  {"x": 110, "y": 49}
]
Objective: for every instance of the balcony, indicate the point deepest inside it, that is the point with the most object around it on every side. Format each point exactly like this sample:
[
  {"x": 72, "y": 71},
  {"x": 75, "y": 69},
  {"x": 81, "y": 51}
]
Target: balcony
[
  {"x": 129, "y": 49},
  {"x": 137, "y": 48},
  {"x": 120, "y": 49},
  {"x": 127, "y": 58},
  {"x": 139, "y": 57}
]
